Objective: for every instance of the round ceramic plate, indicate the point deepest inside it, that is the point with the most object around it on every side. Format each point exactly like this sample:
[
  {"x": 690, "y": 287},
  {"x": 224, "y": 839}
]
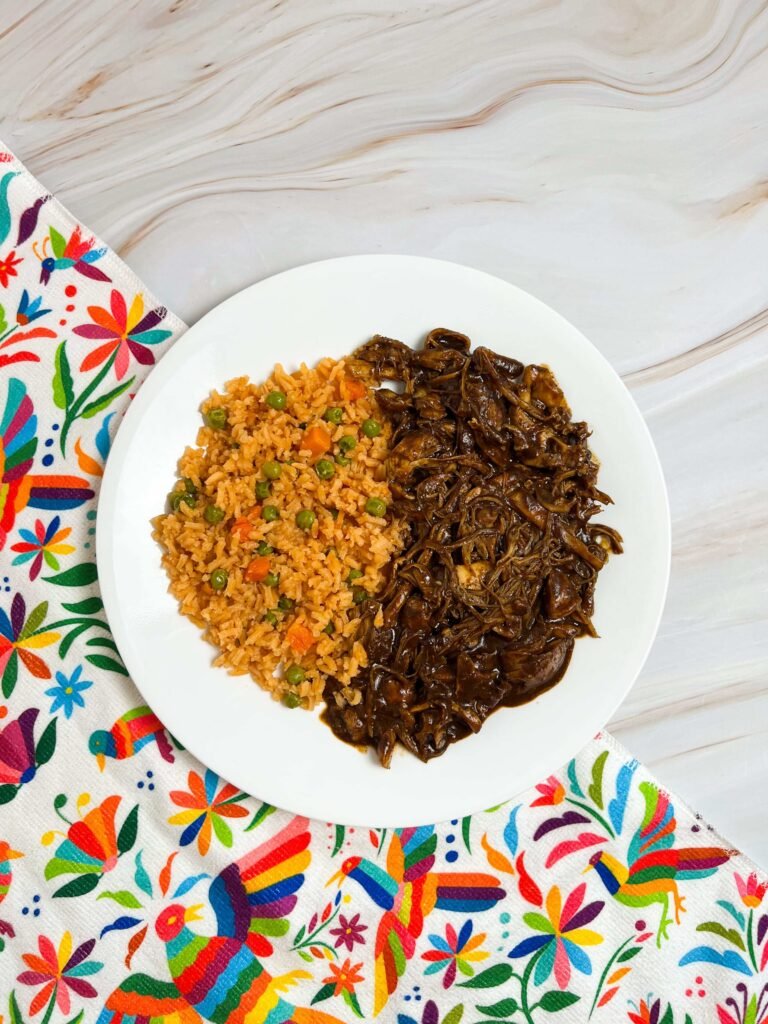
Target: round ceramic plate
[{"x": 288, "y": 757}]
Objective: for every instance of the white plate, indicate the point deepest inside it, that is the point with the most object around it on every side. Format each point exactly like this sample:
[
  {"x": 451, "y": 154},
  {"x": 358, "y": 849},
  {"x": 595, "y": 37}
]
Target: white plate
[{"x": 288, "y": 757}]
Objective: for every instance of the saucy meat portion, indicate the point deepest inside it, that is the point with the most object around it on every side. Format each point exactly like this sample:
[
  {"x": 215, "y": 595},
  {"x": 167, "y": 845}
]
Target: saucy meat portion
[{"x": 496, "y": 581}]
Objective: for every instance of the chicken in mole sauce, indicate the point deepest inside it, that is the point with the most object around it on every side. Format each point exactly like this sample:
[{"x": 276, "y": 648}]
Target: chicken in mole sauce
[{"x": 496, "y": 581}]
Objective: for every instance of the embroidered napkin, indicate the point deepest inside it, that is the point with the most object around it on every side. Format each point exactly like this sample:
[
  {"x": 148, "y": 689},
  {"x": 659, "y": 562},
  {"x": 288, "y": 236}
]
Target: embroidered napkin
[{"x": 155, "y": 891}]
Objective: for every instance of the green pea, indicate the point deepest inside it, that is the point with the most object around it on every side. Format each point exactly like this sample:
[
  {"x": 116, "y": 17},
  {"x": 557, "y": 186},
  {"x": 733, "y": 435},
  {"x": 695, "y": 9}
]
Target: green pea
[
  {"x": 263, "y": 489},
  {"x": 216, "y": 418},
  {"x": 276, "y": 400},
  {"x": 359, "y": 594},
  {"x": 219, "y": 579},
  {"x": 371, "y": 428},
  {"x": 342, "y": 460},
  {"x": 324, "y": 469},
  {"x": 175, "y": 499},
  {"x": 271, "y": 469},
  {"x": 213, "y": 514},
  {"x": 189, "y": 485},
  {"x": 270, "y": 513},
  {"x": 347, "y": 443},
  {"x": 285, "y": 604},
  {"x": 334, "y": 415},
  {"x": 376, "y": 507},
  {"x": 271, "y": 579},
  {"x": 291, "y": 700},
  {"x": 354, "y": 574},
  {"x": 294, "y": 675},
  {"x": 333, "y": 513},
  {"x": 264, "y": 549},
  {"x": 271, "y": 618},
  {"x": 305, "y": 519},
  {"x": 330, "y": 629}
]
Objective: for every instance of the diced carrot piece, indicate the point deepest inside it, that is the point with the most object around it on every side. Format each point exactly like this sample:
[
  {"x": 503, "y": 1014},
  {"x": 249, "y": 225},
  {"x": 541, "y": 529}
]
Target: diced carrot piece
[
  {"x": 257, "y": 570},
  {"x": 317, "y": 440},
  {"x": 299, "y": 638},
  {"x": 352, "y": 389},
  {"x": 242, "y": 527}
]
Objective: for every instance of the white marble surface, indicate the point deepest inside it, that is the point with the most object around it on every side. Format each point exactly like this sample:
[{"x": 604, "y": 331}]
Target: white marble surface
[{"x": 612, "y": 158}]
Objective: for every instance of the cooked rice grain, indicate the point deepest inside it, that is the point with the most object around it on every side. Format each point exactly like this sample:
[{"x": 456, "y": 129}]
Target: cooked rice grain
[{"x": 313, "y": 566}]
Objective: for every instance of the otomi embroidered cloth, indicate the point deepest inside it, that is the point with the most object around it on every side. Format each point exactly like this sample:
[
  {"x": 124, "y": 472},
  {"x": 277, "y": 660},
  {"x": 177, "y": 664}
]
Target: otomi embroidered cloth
[{"x": 155, "y": 891}]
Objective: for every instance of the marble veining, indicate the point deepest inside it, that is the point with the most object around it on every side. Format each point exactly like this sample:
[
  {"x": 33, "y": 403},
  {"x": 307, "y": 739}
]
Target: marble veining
[{"x": 610, "y": 158}]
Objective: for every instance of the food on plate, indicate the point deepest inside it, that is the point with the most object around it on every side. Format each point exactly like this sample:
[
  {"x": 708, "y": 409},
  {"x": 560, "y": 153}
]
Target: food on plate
[
  {"x": 275, "y": 527},
  {"x": 416, "y": 556},
  {"x": 496, "y": 579}
]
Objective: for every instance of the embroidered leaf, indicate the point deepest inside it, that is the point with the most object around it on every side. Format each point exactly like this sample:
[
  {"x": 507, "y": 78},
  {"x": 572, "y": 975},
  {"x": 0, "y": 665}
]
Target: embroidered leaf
[
  {"x": 28, "y": 219},
  {"x": 104, "y": 400},
  {"x": 569, "y": 846},
  {"x": 454, "y": 1016},
  {"x": 496, "y": 975},
  {"x": 70, "y": 638},
  {"x": 140, "y": 876},
  {"x": 735, "y": 914},
  {"x": 495, "y": 858},
  {"x": 133, "y": 945},
  {"x": 120, "y": 925},
  {"x": 34, "y": 621},
  {"x": 706, "y": 955},
  {"x": 7, "y": 793},
  {"x": 5, "y": 209},
  {"x": 78, "y": 886},
  {"x": 560, "y": 821},
  {"x": 628, "y": 954},
  {"x": 104, "y": 661},
  {"x": 338, "y": 842},
  {"x": 11, "y": 674},
  {"x": 126, "y": 837},
  {"x": 299, "y": 935},
  {"x": 304, "y": 955},
  {"x": 729, "y": 934},
  {"x": 466, "y": 824},
  {"x": 351, "y": 1000},
  {"x": 76, "y": 1019},
  {"x": 505, "y": 1008},
  {"x": 183, "y": 888},
  {"x": 324, "y": 993},
  {"x": 46, "y": 744},
  {"x": 263, "y": 812},
  {"x": 554, "y": 1001},
  {"x": 510, "y": 831},
  {"x": 595, "y": 790},
  {"x": 3, "y": 321},
  {"x": 58, "y": 243},
  {"x": 618, "y": 805},
  {"x": 667, "y": 1018},
  {"x": 14, "y": 1012},
  {"x": 121, "y": 896},
  {"x": 63, "y": 388},
  {"x": 89, "y": 606},
  {"x": 608, "y": 995},
  {"x": 78, "y": 576}
]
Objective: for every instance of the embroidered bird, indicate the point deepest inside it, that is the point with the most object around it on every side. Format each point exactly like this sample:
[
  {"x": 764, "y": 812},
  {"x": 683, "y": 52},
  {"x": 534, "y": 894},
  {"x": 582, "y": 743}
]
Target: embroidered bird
[
  {"x": 18, "y": 487},
  {"x": 77, "y": 252},
  {"x": 220, "y": 977},
  {"x": 6, "y": 874},
  {"x": 132, "y": 731},
  {"x": 407, "y": 892},
  {"x": 655, "y": 866}
]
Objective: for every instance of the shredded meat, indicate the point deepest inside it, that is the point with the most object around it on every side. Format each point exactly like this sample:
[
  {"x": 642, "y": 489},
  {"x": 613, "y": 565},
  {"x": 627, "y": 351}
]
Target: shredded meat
[{"x": 496, "y": 581}]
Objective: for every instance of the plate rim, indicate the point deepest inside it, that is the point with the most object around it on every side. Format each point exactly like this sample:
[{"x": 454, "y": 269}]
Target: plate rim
[{"x": 181, "y": 349}]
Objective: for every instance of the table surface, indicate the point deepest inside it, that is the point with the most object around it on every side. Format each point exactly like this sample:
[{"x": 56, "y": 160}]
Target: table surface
[{"x": 609, "y": 158}]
